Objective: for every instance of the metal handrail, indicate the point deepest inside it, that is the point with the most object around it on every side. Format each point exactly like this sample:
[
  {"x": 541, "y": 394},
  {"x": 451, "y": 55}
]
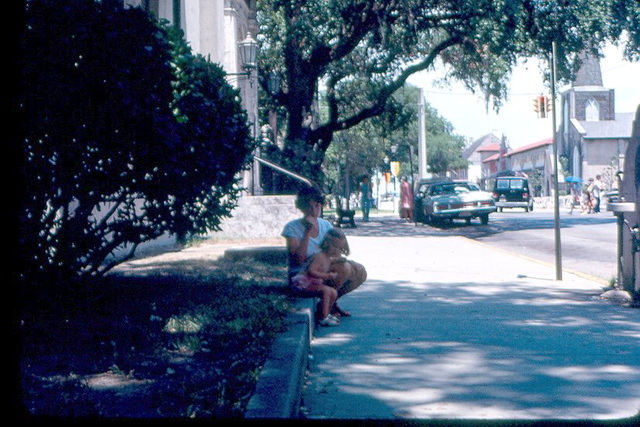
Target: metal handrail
[{"x": 285, "y": 171}]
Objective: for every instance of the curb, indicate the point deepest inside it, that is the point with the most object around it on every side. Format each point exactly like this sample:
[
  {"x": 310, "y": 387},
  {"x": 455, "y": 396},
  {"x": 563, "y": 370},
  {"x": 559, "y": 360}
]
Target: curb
[
  {"x": 279, "y": 387},
  {"x": 278, "y": 391}
]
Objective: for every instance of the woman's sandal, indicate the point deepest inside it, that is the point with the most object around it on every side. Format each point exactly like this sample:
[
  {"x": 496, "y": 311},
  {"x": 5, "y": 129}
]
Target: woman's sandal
[
  {"x": 336, "y": 310},
  {"x": 330, "y": 320}
]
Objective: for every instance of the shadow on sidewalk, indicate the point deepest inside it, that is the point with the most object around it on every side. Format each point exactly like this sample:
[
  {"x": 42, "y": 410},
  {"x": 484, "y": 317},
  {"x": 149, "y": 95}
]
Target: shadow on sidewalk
[{"x": 476, "y": 350}]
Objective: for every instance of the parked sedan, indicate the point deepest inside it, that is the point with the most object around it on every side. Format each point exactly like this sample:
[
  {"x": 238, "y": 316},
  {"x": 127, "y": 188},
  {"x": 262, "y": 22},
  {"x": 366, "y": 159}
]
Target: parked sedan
[{"x": 436, "y": 201}]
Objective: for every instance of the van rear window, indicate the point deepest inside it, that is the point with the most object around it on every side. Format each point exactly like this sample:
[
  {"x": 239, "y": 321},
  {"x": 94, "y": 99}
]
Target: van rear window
[{"x": 502, "y": 184}]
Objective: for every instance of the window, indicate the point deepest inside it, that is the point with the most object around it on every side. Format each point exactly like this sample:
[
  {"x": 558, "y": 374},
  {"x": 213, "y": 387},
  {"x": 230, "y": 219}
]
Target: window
[
  {"x": 503, "y": 184},
  {"x": 592, "y": 111},
  {"x": 517, "y": 183}
]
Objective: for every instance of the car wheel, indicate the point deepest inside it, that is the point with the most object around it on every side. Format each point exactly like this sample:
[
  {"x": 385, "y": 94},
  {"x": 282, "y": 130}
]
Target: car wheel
[
  {"x": 433, "y": 221},
  {"x": 499, "y": 209},
  {"x": 526, "y": 209},
  {"x": 484, "y": 219}
]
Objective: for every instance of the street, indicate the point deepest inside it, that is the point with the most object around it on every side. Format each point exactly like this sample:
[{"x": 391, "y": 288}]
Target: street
[{"x": 589, "y": 242}]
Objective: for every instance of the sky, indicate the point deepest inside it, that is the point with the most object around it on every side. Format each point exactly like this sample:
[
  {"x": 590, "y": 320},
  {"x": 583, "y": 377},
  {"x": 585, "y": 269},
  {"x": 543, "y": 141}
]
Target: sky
[{"x": 516, "y": 120}]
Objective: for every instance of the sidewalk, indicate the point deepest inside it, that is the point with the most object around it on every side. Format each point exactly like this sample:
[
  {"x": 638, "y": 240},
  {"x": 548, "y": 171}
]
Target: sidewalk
[{"x": 447, "y": 328}]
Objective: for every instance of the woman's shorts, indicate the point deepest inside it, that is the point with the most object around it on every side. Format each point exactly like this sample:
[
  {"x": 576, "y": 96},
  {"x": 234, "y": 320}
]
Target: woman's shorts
[{"x": 357, "y": 278}]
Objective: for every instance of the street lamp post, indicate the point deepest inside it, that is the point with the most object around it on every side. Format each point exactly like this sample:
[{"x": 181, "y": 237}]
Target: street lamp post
[
  {"x": 273, "y": 85},
  {"x": 394, "y": 172},
  {"x": 248, "y": 50},
  {"x": 387, "y": 167}
]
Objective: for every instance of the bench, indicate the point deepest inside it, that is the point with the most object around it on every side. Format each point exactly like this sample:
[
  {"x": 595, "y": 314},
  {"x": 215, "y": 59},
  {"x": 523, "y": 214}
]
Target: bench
[{"x": 344, "y": 216}]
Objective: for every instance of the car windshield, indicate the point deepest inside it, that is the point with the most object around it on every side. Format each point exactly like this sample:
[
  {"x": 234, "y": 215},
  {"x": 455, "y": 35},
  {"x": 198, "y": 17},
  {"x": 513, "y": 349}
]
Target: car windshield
[
  {"x": 453, "y": 188},
  {"x": 503, "y": 184}
]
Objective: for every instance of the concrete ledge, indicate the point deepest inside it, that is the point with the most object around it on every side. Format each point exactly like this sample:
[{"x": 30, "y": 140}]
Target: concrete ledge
[{"x": 279, "y": 388}]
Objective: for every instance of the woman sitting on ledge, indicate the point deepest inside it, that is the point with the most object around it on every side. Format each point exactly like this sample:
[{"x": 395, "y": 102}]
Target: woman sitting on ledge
[{"x": 304, "y": 237}]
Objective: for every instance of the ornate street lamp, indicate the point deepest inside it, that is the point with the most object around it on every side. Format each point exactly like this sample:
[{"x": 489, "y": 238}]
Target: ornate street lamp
[
  {"x": 248, "y": 56},
  {"x": 249, "y": 52}
]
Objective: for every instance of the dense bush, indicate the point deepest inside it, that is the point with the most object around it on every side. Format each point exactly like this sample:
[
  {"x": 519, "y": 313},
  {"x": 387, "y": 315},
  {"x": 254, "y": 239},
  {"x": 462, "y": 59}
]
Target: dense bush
[{"x": 128, "y": 136}]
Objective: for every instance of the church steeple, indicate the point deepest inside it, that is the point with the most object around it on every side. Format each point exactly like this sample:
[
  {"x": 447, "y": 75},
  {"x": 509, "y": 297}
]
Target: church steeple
[
  {"x": 589, "y": 73},
  {"x": 588, "y": 99}
]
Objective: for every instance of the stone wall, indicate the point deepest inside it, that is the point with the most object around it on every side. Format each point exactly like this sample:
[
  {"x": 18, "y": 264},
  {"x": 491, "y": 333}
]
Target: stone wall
[{"x": 258, "y": 217}]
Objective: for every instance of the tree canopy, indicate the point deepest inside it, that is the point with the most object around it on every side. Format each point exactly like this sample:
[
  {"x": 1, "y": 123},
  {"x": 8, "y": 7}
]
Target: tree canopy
[
  {"x": 361, "y": 52},
  {"x": 359, "y": 151}
]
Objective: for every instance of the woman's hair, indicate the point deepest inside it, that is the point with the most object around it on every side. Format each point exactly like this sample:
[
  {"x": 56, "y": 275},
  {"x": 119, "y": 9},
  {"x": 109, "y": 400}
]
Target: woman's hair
[
  {"x": 306, "y": 195},
  {"x": 333, "y": 235}
]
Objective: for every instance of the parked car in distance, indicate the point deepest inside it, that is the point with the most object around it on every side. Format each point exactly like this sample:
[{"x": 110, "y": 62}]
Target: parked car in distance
[
  {"x": 512, "y": 192},
  {"x": 436, "y": 201}
]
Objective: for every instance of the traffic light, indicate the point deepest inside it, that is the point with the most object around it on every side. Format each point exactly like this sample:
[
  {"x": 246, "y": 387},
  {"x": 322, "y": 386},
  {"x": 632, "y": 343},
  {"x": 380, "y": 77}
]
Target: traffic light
[{"x": 542, "y": 107}]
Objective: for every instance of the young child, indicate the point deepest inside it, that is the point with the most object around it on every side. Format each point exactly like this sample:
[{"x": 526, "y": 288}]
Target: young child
[{"x": 313, "y": 276}]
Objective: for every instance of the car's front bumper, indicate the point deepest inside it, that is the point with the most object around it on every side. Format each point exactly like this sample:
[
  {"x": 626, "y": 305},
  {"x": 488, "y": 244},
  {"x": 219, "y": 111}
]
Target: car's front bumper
[{"x": 462, "y": 213}]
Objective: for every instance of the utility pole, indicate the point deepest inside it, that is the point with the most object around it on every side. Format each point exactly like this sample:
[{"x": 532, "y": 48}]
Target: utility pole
[
  {"x": 543, "y": 105},
  {"x": 422, "y": 142},
  {"x": 556, "y": 198}
]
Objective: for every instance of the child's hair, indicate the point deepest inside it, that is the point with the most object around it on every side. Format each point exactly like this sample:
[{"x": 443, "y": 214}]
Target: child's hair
[{"x": 333, "y": 235}]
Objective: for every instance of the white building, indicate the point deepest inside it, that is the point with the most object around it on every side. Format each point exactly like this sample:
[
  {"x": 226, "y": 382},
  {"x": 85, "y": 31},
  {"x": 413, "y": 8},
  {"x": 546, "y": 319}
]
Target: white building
[{"x": 215, "y": 29}]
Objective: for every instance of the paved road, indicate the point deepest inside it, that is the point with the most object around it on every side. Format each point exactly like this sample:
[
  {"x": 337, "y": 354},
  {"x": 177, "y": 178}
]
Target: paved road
[
  {"x": 438, "y": 333},
  {"x": 589, "y": 242}
]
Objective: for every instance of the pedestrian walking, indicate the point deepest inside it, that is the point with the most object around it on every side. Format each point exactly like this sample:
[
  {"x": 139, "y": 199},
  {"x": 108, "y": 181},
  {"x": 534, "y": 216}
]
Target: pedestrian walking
[
  {"x": 576, "y": 196},
  {"x": 587, "y": 198}
]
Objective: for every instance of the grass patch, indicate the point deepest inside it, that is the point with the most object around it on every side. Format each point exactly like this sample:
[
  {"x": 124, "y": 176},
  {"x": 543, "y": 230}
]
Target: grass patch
[{"x": 183, "y": 339}]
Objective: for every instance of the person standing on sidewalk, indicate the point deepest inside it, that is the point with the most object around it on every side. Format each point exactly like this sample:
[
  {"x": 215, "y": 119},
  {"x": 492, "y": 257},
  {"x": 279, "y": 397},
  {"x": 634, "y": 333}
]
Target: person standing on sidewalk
[
  {"x": 365, "y": 198},
  {"x": 598, "y": 187},
  {"x": 304, "y": 237},
  {"x": 406, "y": 200}
]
